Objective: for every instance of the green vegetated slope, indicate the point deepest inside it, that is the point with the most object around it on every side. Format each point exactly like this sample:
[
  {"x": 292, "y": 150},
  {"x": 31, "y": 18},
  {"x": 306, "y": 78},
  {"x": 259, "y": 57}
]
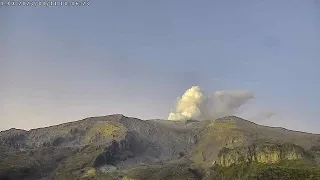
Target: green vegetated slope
[
  {"x": 116, "y": 147},
  {"x": 285, "y": 170},
  {"x": 244, "y": 150}
]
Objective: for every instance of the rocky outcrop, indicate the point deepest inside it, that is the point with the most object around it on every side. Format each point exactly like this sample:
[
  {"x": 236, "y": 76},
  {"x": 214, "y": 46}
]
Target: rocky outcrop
[
  {"x": 261, "y": 153},
  {"x": 13, "y": 138}
]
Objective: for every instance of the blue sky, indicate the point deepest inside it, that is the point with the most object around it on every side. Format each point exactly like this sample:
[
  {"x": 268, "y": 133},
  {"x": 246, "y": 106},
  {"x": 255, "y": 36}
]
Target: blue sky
[{"x": 61, "y": 64}]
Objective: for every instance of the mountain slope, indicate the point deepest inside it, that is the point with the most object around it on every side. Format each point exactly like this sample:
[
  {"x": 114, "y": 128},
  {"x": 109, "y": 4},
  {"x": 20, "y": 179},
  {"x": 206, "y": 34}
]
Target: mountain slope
[{"x": 119, "y": 147}]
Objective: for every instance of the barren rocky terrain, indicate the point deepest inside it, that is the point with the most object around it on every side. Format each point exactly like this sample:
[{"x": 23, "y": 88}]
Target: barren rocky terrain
[{"x": 120, "y": 147}]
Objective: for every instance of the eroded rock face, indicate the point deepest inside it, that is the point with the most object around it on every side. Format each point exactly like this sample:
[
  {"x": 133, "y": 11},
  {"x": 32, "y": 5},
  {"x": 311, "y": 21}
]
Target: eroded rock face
[
  {"x": 13, "y": 138},
  {"x": 265, "y": 153}
]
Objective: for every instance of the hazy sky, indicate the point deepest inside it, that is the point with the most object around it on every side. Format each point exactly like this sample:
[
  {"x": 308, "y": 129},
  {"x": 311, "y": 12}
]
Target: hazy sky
[{"x": 136, "y": 57}]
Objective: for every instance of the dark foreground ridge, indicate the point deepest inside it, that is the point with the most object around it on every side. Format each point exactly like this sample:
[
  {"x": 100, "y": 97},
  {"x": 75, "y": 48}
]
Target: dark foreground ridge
[{"x": 117, "y": 147}]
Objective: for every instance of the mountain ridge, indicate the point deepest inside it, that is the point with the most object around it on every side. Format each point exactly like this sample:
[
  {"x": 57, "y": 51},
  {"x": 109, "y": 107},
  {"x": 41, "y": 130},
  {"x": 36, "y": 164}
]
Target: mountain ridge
[
  {"x": 117, "y": 145},
  {"x": 122, "y": 115}
]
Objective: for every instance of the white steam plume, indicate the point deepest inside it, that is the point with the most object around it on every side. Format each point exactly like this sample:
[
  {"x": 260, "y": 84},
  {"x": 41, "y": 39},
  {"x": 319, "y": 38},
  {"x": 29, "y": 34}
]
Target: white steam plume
[
  {"x": 194, "y": 104},
  {"x": 189, "y": 105}
]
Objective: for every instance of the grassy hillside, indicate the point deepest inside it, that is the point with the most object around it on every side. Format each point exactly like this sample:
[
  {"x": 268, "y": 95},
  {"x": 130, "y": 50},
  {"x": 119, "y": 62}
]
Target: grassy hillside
[{"x": 286, "y": 170}]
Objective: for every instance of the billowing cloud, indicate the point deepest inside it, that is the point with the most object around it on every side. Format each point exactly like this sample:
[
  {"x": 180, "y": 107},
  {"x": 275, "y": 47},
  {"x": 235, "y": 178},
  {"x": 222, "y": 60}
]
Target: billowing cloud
[
  {"x": 226, "y": 103},
  {"x": 195, "y": 104},
  {"x": 190, "y": 105}
]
